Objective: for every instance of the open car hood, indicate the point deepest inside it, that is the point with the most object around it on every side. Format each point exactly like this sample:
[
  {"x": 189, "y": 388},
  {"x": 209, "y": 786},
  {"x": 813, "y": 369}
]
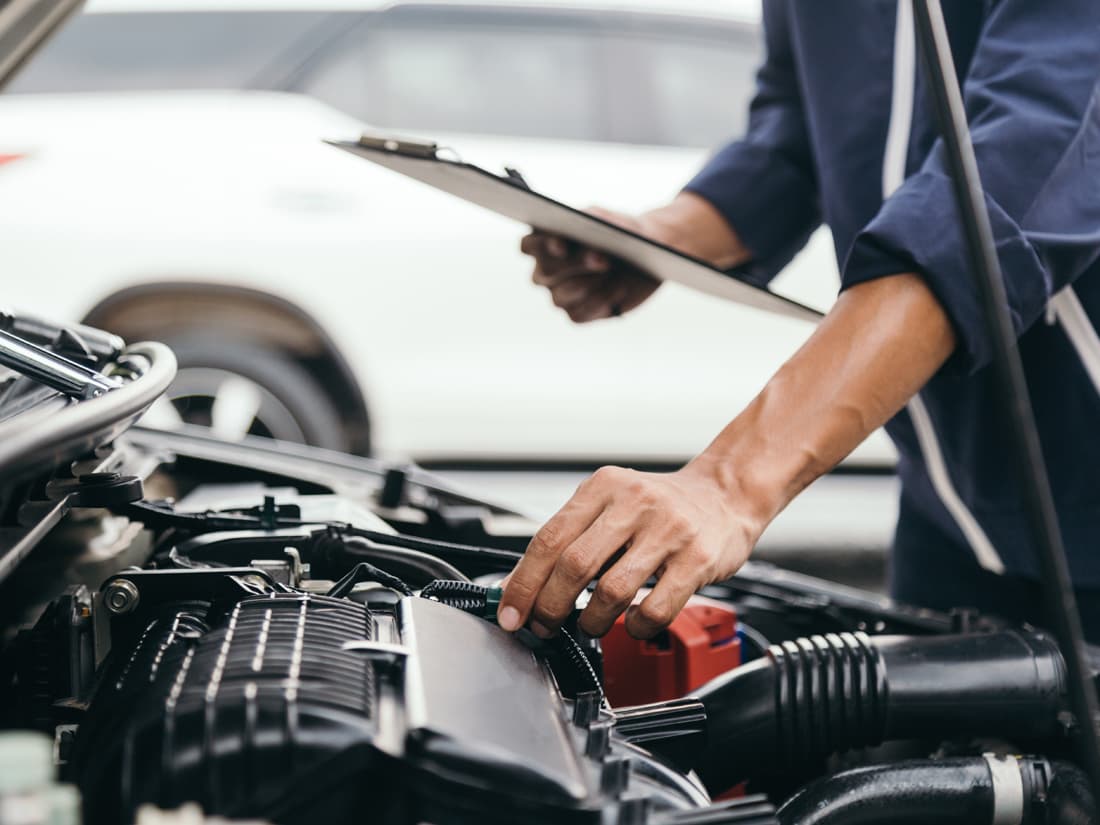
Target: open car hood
[{"x": 24, "y": 26}]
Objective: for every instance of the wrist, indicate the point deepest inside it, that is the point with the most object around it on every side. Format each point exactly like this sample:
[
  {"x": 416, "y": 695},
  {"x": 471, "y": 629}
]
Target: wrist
[
  {"x": 755, "y": 467},
  {"x": 692, "y": 225},
  {"x": 753, "y": 498}
]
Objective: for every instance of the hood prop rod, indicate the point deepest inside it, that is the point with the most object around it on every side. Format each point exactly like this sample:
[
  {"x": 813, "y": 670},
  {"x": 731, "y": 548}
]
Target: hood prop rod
[
  {"x": 49, "y": 368},
  {"x": 1061, "y": 605}
]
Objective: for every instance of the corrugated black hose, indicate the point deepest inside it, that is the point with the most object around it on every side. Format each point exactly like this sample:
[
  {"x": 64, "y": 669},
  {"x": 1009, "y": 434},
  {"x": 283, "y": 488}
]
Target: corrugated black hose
[{"x": 483, "y": 601}]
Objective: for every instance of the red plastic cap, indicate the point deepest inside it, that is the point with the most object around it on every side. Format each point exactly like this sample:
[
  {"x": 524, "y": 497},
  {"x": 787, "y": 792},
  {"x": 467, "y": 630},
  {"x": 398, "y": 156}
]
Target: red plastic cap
[{"x": 699, "y": 645}]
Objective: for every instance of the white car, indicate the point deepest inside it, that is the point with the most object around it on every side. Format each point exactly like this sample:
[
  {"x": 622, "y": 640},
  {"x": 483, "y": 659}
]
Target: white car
[{"x": 162, "y": 174}]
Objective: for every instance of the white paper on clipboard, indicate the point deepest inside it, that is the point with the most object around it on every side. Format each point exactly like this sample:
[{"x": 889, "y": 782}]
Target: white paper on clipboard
[{"x": 509, "y": 198}]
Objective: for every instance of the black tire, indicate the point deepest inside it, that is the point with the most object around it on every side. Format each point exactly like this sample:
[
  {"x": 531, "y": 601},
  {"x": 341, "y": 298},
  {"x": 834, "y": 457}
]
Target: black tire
[{"x": 293, "y": 406}]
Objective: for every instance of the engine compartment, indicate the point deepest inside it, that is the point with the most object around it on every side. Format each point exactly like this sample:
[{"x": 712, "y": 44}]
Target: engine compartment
[{"x": 284, "y": 635}]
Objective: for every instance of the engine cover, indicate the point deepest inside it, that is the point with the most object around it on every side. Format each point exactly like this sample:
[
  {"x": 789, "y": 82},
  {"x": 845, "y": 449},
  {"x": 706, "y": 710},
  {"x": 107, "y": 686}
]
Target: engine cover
[{"x": 299, "y": 708}]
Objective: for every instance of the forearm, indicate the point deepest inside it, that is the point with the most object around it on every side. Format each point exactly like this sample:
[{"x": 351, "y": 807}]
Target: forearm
[{"x": 879, "y": 345}]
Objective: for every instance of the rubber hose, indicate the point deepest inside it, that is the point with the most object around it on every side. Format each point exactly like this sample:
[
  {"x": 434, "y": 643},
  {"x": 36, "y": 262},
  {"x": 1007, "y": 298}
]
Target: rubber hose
[
  {"x": 950, "y": 792},
  {"x": 416, "y": 567},
  {"x": 812, "y": 697},
  {"x": 947, "y": 792},
  {"x": 1070, "y": 800}
]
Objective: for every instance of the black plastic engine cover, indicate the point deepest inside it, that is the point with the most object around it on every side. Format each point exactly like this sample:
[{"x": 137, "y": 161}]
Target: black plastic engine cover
[{"x": 299, "y": 708}]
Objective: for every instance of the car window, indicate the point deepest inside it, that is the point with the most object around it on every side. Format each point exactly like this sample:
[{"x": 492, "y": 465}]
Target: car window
[
  {"x": 683, "y": 88},
  {"x": 500, "y": 80},
  {"x": 701, "y": 91},
  {"x": 168, "y": 50}
]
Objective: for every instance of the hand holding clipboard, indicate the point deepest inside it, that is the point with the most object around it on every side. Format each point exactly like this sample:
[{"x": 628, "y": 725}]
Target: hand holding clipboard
[{"x": 510, "y": 196}]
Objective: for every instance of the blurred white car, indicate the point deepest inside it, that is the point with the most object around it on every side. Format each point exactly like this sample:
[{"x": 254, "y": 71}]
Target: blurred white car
[{"x": 162, "y": 175}]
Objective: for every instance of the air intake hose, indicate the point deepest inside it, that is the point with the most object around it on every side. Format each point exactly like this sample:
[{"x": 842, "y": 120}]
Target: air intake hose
[
  {"x": 815, "y": 696},
  {"x": 975, "y": 791}
]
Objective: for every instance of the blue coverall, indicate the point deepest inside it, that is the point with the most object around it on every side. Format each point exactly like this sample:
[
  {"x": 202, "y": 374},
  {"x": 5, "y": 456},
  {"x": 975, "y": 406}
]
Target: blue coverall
[{"x": 842, "y": 132}]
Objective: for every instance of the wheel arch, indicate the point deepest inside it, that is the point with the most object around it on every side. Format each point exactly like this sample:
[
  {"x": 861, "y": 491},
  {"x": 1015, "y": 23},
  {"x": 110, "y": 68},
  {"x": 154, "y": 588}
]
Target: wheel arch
[{"x": 153, "y": 310}]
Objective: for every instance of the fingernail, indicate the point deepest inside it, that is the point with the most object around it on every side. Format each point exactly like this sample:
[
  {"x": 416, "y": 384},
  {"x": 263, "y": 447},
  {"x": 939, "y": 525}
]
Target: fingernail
[
  {"x": 508, "y": 618},
  {"x": 541, "y": 630},
  {"x": 555, "y": 247}
]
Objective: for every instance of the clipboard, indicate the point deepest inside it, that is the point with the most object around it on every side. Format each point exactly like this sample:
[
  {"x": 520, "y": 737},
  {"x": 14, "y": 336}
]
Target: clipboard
[{"x": 511, "y": 197}]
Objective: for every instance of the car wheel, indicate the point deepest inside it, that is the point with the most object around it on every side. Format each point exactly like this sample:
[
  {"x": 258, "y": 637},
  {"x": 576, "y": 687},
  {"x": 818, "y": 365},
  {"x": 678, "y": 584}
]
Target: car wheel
[{"x": 237, "y": 388}]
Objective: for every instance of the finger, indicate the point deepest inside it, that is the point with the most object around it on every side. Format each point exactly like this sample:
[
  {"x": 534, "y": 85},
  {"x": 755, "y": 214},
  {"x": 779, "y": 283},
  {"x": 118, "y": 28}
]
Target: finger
[
  {"x": 528, "y": 577},
  {"x": 616, "y": 589},
  {"x": 578, "y": 565},
  {"x": 553, "y": 273},
  {"x": 596, "y": 261},
  {"x": 556, "y": 247},
  {"x": 577, "y": 290},
  {"x": 656, "y": 611},
  {"x": 597, "y": 305},
  {"x": 539, "y": 244},
  {"x": 531, "y": 244}
]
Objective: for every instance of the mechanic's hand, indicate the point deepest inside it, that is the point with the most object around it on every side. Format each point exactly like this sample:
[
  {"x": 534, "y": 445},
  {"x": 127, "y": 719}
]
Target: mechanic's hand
[
  {"x": 681, "y": 527},
  {"x": 586, "y": 283}
]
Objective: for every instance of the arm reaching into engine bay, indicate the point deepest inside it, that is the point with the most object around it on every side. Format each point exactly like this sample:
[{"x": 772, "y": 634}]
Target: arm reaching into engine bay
[{"x": 878, "y": 346}]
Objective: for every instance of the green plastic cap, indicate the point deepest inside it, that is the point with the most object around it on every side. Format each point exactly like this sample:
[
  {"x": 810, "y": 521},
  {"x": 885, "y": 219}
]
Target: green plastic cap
[{"x": 26, "y": 761}]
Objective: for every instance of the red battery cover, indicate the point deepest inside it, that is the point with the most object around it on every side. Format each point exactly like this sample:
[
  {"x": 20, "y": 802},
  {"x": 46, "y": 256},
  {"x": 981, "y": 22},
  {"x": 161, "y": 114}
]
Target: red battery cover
[{"x": 701, "y": 643}]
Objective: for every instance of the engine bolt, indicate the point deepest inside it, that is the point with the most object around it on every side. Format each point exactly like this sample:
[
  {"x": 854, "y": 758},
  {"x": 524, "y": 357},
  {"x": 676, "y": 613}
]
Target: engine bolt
[{"x": 121, "y": 596}]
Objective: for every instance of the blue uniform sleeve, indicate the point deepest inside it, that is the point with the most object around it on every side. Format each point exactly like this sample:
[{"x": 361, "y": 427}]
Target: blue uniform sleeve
[
  {"x": 764, "y": 184},
  {"x": 1031, "y": 97}
]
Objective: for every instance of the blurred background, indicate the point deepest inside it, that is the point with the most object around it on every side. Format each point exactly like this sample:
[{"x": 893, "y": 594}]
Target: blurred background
[{"x": 163, "y": 175}]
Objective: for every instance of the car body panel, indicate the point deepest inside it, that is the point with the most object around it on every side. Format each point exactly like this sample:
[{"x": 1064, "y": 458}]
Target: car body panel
[{"x": 427, "y": 297}]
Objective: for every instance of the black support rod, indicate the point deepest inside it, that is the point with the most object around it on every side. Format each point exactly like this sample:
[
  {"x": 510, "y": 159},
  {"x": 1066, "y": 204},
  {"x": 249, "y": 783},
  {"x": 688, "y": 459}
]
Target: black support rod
[{"x": 1061, "y": 604}]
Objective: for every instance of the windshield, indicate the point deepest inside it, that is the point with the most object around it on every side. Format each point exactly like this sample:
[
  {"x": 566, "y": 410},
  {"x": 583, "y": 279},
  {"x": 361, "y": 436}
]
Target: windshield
[
  {"x": 169, "y": 50},
  {"x": 579, "y": 76}
]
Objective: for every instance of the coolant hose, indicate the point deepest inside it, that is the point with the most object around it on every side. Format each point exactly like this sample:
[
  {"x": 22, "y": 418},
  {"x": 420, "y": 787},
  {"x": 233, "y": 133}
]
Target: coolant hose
[
  {"x": 824, "y": 694},
  {"x": 973, "y": 791}
]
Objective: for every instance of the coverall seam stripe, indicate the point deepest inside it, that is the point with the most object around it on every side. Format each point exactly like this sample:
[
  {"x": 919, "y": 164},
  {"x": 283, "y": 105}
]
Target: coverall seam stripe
[
  {"x": 1079, "y": 330},
  {"x": 894, "y": 161}
]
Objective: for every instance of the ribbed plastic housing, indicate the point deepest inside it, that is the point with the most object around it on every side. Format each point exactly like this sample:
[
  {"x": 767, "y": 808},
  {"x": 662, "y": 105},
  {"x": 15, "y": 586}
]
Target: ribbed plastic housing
[{"x": 224, "y": 717}]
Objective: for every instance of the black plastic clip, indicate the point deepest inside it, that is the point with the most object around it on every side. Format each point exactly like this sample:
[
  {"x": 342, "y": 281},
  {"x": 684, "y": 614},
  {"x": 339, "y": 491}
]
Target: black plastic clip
[{"x": 96, "y": 490}]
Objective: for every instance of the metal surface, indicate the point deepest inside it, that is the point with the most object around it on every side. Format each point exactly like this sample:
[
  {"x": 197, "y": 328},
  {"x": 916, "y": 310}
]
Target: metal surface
[
  {"x": 30, "y": 442},
  {"x": 121, "y": 596},
  {"x": 51, "y": 369},
  {"x": 101, "y": 345},
  {"x": 24, "y": 26}
]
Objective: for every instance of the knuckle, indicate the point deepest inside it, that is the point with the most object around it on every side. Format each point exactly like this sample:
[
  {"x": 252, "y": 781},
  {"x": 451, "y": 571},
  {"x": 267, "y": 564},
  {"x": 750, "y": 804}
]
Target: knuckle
[
  {"x": 689, "y": 534},
  {"x": 608, "y": 475},
  {"x": 613, "y": 592},
  {"x": 522, "y": 590},
  {"x": 550, "y": 615},
  {"x": 595, "y": 626},
  {"x": 656, "y": 614},
  {"x": 545, "y": 541},
  {"x": 574, "y": 565},
  {"x": 643, "y": 493}
]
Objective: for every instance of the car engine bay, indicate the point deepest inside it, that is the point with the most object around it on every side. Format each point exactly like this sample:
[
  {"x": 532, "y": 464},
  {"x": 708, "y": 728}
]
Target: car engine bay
[{"x": 282, "y": 634}]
